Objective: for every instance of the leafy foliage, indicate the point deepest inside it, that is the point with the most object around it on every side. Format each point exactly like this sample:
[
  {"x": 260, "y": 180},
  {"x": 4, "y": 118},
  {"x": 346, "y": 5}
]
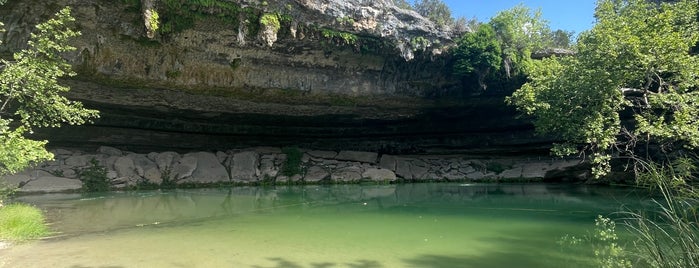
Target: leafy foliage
[
  {"x": 635, "y": 59},
  {"x": 270, "y": 20},
  {"x": 94, "y": 178},
  {"x": 520, "y": 32},
  {"x": 30, "y": 95},
  {"x": 435, "y": 10},
  {"x": 292, "y": 165},
  {"x": 478, "y": 53},
  {"x": 608, "y": 253}
]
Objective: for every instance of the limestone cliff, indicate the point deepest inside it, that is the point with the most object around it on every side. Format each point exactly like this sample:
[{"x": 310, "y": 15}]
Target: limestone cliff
[
  {"x": 350, "y": 47},
  {"x": 221, "y": 74}
]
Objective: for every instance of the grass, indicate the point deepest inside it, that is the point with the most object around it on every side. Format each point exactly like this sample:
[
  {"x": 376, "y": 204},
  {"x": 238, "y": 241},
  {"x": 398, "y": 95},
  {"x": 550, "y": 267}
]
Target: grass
[{"x": 21, "y": 222}]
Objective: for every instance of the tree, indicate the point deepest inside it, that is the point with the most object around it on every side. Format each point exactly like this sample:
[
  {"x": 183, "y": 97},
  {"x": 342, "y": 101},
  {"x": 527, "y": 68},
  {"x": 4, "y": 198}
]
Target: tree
[
  {"x": 520, "y": 32},
  {"x": 559, "y": 39},
  {"x": 30, "y": 95},
  {"x": 478, "y": 53},
  {"x": 636, "y": 60},
  {"x": 402, "y": 4},
  {"x": 435, "y": 10}
]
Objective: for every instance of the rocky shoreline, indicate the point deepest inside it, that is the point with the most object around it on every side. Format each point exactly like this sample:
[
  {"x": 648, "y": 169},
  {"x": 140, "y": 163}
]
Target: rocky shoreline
[{"x": 265, "y": 165}]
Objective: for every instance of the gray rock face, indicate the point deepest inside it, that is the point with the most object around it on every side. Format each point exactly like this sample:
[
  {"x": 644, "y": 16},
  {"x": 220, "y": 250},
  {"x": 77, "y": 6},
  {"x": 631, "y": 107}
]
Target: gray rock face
[
  {"x": 388, "y": 162},
  {"x": 78, "y": 160},
  {"x": 166, "y": 160},
  {"x": 153, "y": 175},
  {"x": 245, "y": 166},
  {"x": 15, "y": 180},
  {"x": 51, "y": 184},
  {"x": 347, "y": 174},
  {"x": 403, "y": 169},
  {"x": 381, "y": 18},
  {"x": 142, "y": 163},
  {"x": 250, "y": 166},
  {"x": 316, "y": 174},
  {"x": 267, "y": 166},
  {"x": 111, "y": 151},
  {"x": 322, "y": 154},
  {"x": 184, "y": 168},
  {"x": 376, "y": 174},
  {"x": 208, "y": 169},
  {"x": 363, "y": 157},
  {"x": 125, "y": 168}
]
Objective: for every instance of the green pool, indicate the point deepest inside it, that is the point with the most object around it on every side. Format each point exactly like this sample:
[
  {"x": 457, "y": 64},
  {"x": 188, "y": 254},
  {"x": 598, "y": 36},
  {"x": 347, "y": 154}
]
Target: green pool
[{"x": 406, "y": 225}]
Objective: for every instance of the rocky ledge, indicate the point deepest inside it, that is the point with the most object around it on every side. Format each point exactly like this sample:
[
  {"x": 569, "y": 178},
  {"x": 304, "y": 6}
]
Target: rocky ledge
[{"x": 266, "y": 165}]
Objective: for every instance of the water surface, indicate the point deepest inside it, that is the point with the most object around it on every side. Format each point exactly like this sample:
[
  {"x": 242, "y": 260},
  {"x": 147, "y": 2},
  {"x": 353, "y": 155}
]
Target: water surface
[{"x": 407, "y": 225}]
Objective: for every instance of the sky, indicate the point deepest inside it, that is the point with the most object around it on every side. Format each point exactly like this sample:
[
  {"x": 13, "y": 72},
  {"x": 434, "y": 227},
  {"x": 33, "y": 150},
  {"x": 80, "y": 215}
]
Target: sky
[{"x": 569, "y": 15}]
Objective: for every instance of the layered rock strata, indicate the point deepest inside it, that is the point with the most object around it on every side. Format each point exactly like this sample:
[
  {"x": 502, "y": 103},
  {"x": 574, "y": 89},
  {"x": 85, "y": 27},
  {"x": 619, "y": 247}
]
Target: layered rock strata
[{"x": 266, "y": 165}]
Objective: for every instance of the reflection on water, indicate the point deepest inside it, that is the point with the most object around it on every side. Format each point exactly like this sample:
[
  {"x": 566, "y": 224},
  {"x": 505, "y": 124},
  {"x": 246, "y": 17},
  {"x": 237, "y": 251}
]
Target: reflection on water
[{"x": 407, "y": 225}]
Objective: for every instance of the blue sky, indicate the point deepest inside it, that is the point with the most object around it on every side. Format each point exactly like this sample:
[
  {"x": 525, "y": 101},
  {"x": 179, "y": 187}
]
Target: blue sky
[{"x": 569, "y": 15}]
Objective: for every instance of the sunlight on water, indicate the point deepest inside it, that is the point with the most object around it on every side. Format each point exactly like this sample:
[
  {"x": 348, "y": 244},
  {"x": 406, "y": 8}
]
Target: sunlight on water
[{"x": 414, "y": 225}]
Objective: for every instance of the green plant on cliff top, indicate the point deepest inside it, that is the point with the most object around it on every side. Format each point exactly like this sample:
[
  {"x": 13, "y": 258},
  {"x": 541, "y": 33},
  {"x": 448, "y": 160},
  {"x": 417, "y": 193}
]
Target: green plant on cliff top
[
  {"x": 154, "y": 20},
  {"x": 270, "y": 20},
  {"x": 341, "y": 38},
  {"x": 31, "y": 97}
]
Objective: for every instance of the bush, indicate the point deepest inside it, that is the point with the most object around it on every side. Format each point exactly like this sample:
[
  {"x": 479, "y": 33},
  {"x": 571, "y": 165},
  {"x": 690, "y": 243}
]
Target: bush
[
  {"x": 20, "y": 222},
  {"x": 94, "y": 178},
  {"x": 292, "y": 165}
]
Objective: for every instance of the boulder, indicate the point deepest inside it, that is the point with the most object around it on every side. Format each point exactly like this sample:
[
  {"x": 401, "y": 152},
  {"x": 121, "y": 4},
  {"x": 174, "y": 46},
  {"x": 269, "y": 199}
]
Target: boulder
[
  {"x": 153, "y": 175},
  {"x": 125, "y": 168},
  {"x": 109, "y": 151},
  {"x": 108, "y": 162},
  {"x": 17, "y": 179},
  {"x": 348, "y": 174},
  {"x": 111, "y": 174},
  {"x": 245, "y": 166},
  {"x": 152, "y": 156},
  {"x": 222, "y": 157},
  {"x": 322, "y": 154},
  {"x": 364, "y": 157},
  {"x": 388, "y": 162},
  {"x": 379, "y": 174},
  {"x": 535, "y": 170},
  {"x": 403, "y": 169},
  {"x": 62, "y": 152},
  {"x": 184, "y": 167},
  {"x": 167, "y": 160},
  {"x": 142, "y": 163},
  {"x": 267, "y": 167},
  {"x": 267, "y": 150},
  {"x": 78, "y": 160},
  {"x": 419, "y": 170},
  {"x": 51, "y": 184},
  {"x": 316, "y": 174},
  {"x": 209, "y": 169}
]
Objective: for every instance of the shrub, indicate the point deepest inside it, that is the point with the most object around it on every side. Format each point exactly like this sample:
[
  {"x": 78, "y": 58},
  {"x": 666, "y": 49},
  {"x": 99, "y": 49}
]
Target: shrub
[
  {"x": 270, "y": 20},
  {"x": 292, "y": 165},
  {"x": 20, "y": 222},
  {"x": 94, "y": 178}
]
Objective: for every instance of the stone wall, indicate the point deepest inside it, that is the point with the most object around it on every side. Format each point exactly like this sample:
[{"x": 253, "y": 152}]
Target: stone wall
[{"x": 264, "y": 164}]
